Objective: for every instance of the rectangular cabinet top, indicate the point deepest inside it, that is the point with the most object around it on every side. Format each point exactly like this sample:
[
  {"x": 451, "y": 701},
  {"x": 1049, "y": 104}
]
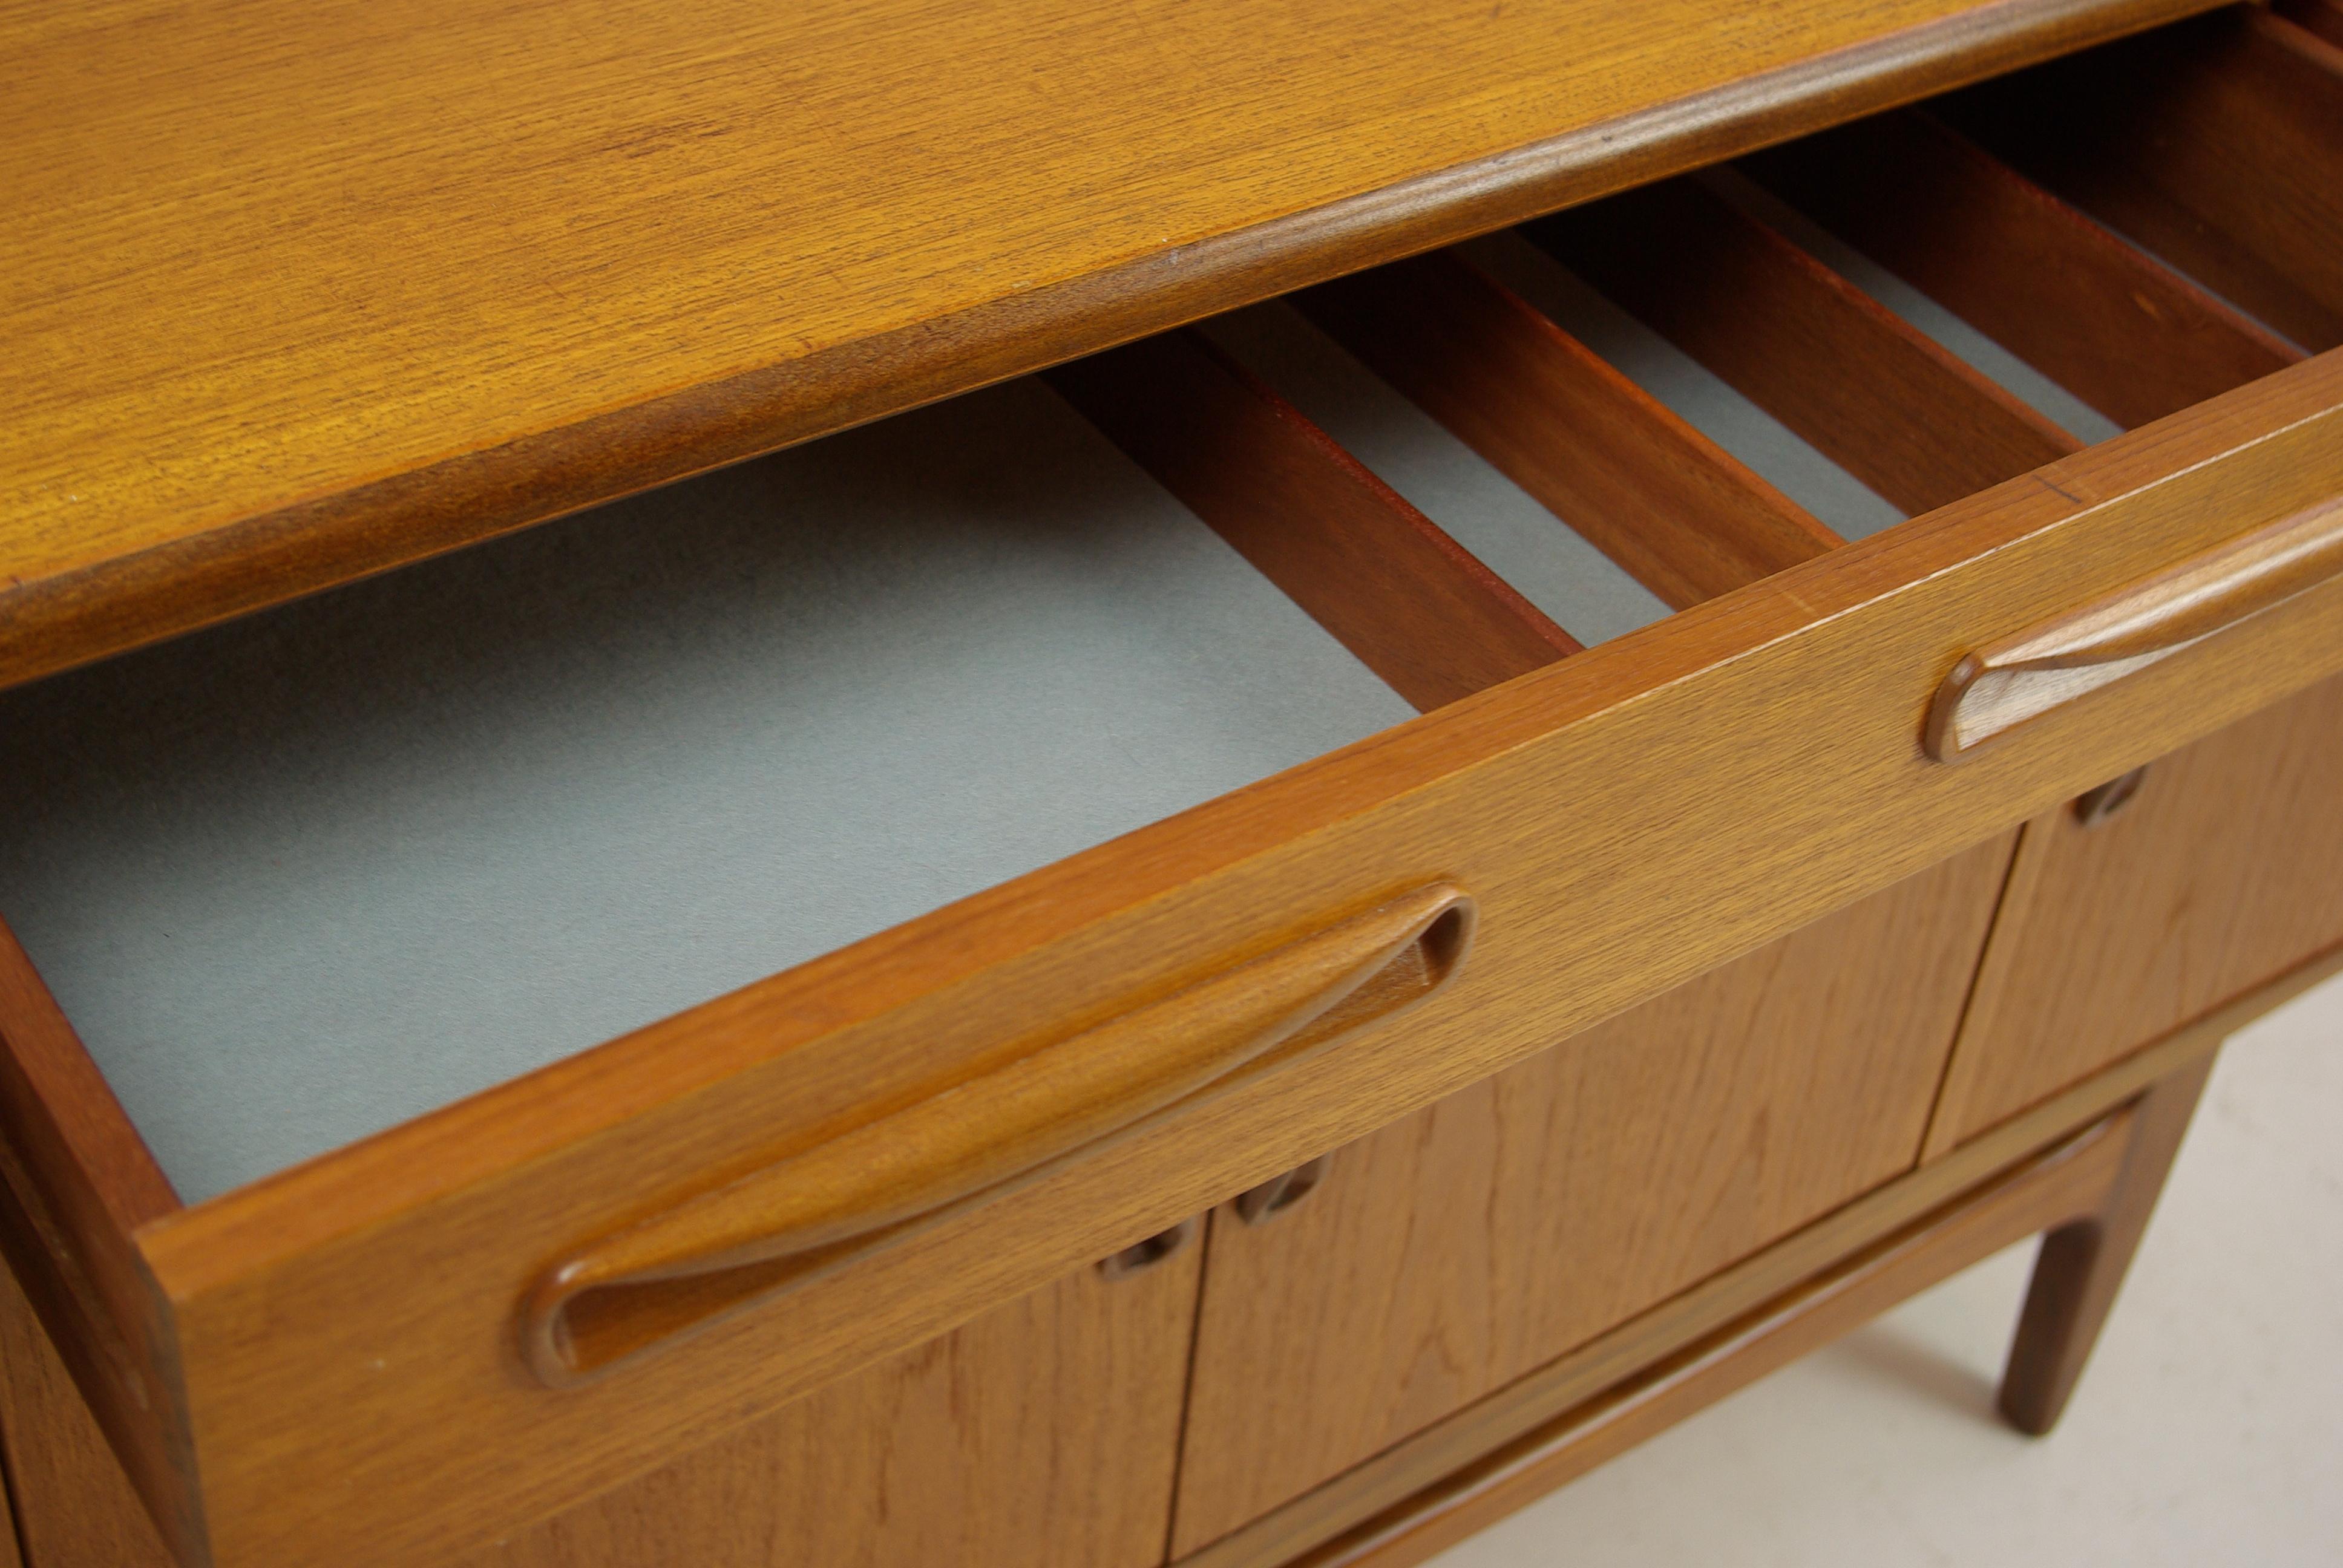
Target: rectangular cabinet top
[{"x": 297, "y": 293}]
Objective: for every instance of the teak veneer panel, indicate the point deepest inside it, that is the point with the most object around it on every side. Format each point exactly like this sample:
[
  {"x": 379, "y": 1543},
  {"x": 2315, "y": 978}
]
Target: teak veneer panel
[
  {"x": 1456, "y": 1251},
  {"x": 295, "y": 294},
  {"x": 2056, "y": 1187},
  {"x": 1731, "y": 774},
  {"x": 1041, "y": 1435},
  {"x": 1416, "y": 1482},
  {"x": 2225, "y": 868}
]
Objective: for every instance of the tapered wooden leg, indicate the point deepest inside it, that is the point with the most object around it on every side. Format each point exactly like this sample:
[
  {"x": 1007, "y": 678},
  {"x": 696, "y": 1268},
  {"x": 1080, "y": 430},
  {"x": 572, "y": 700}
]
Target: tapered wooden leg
[{"x": 2082, "y": 1263}]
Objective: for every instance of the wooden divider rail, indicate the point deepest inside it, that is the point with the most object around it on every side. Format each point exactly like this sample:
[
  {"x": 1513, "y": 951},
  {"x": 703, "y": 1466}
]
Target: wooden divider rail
[
  {"x": 1681, "y": 515},
  {"x": 2128, "y": 334},
  {"x": 2216, "y": 145}
]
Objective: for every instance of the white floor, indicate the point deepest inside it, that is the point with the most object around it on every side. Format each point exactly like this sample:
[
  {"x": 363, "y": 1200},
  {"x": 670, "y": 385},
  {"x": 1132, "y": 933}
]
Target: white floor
[{"x": 2207, "y": 1430}]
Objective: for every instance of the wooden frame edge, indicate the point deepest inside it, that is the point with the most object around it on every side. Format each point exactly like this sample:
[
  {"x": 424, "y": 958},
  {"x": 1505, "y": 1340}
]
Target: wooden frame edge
[
  {"x": 76, "y": 1181},
  {"x": 111, "y": 606}
]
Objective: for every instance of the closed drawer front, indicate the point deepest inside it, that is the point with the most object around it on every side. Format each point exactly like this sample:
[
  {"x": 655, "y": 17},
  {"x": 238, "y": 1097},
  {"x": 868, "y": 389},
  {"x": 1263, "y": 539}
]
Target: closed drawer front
[{"x": 490, "y": 1292}]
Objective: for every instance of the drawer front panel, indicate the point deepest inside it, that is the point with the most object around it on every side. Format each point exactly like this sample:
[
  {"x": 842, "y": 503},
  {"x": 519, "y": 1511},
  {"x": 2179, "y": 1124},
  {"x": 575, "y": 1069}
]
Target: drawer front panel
[
  {"x": 2222, "y": 870},
  {"x": 1450, "y": 1253},
  {"x": 1624, "y": 820}
]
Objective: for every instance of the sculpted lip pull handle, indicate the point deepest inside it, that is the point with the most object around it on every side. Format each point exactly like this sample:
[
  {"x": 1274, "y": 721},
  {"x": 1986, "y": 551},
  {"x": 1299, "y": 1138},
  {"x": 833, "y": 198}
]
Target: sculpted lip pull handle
[
  {"x": 1155, "y": 1248},
  {"x": 1259, "y": 1205},
  {"x": 815, "y": 1210},
  {"x": 1997, "y": 689}
]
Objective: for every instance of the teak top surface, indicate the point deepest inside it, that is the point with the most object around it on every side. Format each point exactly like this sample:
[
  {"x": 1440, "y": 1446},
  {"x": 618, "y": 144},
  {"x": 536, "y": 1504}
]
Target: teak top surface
[{"x": 293, "y": 293}]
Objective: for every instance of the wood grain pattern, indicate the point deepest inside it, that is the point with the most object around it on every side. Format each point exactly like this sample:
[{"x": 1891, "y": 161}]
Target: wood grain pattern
[
  {"x": 1730, "y": 774},
  {"x": 2042, "y": 1192},
  {"x": 982, "y": 1139},
  {"x": 303, "y": 312},
  {"x": 1040, "y": 1435},
  {"x": 1416, "y": 1467},
  {"x": 2132, "y": 339},
  {"x": 75, "y": 1182},
  {"x": 1449, "y": 1254},
  {"x": 1682, "y": 515},
  {"x": 1433, "y": 1455},
  {"x": 2225, "y": 869},
  {"x": 10, "y": 1557},
  {"x": 1871, "y": 393},
  {"x": 2083, "y": 1262},
  {"x": 2217, "y": 145},
  {"x": 1413, "y": 605},
  {"x": 74, "y": 1507}
]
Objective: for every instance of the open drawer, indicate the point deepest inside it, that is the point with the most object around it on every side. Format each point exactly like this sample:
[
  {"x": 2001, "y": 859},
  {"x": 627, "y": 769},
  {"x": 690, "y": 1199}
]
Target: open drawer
[{"x": 1059, "y": 869}]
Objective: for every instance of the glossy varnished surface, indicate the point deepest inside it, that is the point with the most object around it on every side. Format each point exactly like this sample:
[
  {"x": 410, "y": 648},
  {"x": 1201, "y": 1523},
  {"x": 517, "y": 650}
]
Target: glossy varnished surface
[{"x": 304, "y": 296}]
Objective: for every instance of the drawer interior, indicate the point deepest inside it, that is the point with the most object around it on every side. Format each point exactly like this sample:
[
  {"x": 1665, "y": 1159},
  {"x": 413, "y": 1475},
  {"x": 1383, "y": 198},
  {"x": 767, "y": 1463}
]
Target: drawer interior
[
  {"x": 304, "y": 877},
  {"x": 322, "y": 872}
]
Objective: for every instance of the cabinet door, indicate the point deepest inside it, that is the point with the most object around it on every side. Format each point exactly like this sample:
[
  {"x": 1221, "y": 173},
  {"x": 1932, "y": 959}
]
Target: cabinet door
[
  {"x": 1041, "y": 1434},
  {"x": 2223, "y": 870},
  {"x": 1457, "y": 1249}
]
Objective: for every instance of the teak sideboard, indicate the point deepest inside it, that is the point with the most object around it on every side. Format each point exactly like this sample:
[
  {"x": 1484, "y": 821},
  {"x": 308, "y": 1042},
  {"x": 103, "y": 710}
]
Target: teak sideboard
[{"x": 1450, "y": 725}]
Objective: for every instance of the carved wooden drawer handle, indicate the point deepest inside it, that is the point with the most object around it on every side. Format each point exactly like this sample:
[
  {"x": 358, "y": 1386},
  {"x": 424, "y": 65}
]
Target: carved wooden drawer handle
[
  {"x": 1994, "y": 689},
  {"x": 815, "y": 1210},
  {"x": 1259, "y": 1205}
]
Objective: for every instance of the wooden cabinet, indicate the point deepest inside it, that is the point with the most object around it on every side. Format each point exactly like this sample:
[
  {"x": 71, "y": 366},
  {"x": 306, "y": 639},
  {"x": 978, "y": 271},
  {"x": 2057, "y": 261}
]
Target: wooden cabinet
[
  {"x": 1457, "y": 1249},
  {"x": 2222, "y": 868},
  {"x": 629, "y": 1041}
]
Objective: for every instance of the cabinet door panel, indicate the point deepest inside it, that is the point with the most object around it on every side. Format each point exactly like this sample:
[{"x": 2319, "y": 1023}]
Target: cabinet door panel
[
  {"x": 1448, "y": 1255},
  {"x": 1042, "y": 1433},
  {"x": 2223, "y": 870}
]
